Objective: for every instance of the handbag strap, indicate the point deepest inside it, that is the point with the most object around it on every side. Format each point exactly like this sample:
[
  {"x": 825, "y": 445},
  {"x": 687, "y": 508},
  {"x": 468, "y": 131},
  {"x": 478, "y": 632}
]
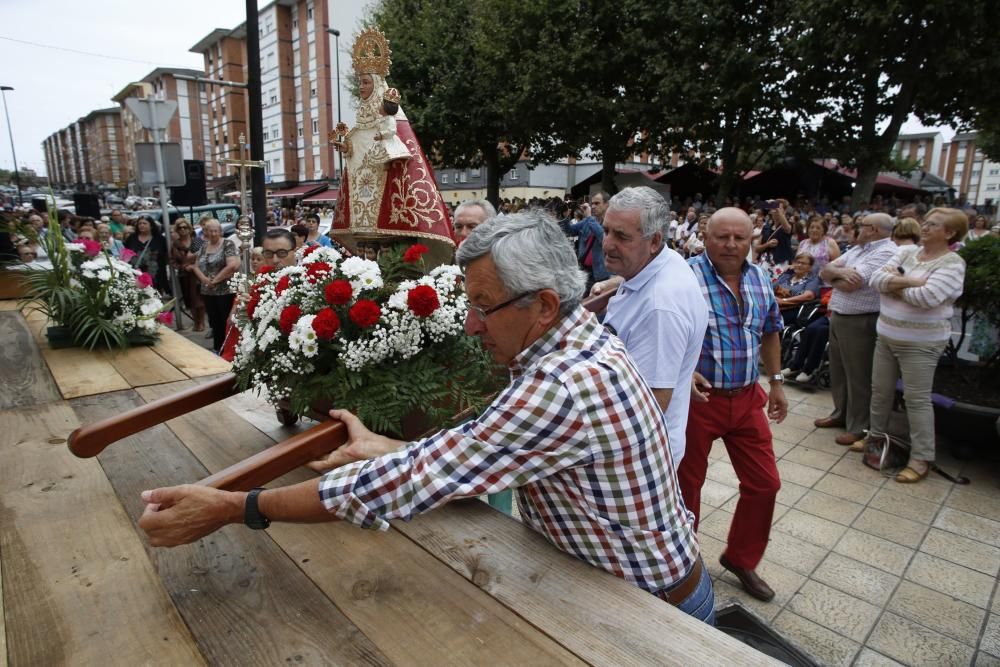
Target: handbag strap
[{"x": 954, "y": 479}]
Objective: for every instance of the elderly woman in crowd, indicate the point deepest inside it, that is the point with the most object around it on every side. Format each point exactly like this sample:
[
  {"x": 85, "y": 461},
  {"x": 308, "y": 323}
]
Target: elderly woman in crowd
[
  {"x": 906, "y": 232},
  {"x": 108, "y": 240},
  {"x": 150, "y": 248},
  {"x": 183, "y": 253},
  {"x": 818, "y": 245},
  {"x": 918, "y": 287},
  {"x": 796, "y": 286},
  {"x": 980, "y": 228},
  {"x": 218, "y": 259}
]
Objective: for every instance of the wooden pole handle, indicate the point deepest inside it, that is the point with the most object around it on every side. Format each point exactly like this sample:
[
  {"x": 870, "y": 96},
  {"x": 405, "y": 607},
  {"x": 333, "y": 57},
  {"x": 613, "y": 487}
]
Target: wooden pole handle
[
  {"x": 281, "y": 458},
  {"x": 91, "y": 439},
  {"x": 596, "y": 304}
]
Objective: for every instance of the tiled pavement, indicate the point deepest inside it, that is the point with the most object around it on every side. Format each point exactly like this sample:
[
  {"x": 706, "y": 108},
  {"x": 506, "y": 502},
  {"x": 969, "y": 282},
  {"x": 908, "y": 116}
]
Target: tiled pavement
[{"x": 867, "y": 571}]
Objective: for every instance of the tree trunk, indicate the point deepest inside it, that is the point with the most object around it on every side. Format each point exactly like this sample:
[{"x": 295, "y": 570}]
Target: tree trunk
[
  {"x": 493, "y": 175},
  {"x": 608, "y": 171},
  {"x": 864, "y": 185},
  {"x": 727, "y": 181}
]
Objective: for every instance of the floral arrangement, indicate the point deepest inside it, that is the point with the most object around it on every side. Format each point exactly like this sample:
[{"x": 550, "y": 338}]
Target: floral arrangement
[
  {"x": 379, "y": 338},
  {"x": 101, "y": 301}
]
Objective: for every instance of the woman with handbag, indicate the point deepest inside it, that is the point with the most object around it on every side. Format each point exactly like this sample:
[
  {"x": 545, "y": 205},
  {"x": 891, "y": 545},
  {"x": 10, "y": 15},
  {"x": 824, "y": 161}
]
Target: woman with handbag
[{"x": 918, "y": 287}]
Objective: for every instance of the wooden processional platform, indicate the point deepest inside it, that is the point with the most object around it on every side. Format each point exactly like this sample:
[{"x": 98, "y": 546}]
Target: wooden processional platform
[{"x": 79, "y": 584}]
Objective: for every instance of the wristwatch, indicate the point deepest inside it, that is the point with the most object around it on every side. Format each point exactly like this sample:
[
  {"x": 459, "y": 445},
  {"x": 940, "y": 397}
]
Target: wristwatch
[
  {"x": 251, "y": 513},
  {"x": 778, "y": 377}
]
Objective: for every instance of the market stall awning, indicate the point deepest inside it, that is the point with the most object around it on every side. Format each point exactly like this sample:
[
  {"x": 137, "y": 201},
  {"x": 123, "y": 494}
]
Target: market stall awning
[
  {"x": 330, "y": 195},
  {"x": 298, "y": 192}
]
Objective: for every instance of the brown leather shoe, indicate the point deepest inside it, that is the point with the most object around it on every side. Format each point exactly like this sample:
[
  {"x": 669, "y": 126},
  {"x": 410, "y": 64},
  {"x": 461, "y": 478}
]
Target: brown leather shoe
[
  {"x": 848, "y": 438},
  {"x": 828, "y": 422},
  {"x": 751, "y": 581}
]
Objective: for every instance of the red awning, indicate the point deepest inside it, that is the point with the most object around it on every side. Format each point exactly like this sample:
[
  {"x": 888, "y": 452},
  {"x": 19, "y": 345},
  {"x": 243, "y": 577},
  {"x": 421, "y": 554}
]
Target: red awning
[
  {"x": 298, "y": 191},
  {"x": 325, "y": 196}
]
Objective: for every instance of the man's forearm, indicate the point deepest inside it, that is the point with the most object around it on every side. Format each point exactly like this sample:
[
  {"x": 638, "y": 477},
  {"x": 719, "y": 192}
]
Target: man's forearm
[
  {"x": 770, "y": 353},
  {"x": 299, "y": 503}
]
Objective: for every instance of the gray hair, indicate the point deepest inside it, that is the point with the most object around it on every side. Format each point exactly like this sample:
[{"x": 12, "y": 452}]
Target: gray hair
[
  {"x": 653, "y": 208},
  {"x": 481, "y": 203},
  {"x": 530, "y": 253},
  {"x": 882, "y": 221}
]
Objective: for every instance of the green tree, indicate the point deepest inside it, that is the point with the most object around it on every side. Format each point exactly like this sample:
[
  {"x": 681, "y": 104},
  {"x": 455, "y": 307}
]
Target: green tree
[
  {"x": 862, "y": 68},
  {"x": 721, "y": 95},
  {"x": 468, "y": 76},
  {"x": 603, "y": 76}
]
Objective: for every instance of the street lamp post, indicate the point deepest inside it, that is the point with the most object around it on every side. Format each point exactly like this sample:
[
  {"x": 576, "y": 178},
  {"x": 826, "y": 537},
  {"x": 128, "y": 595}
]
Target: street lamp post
[
  {"x": 336, "y": 47},
  {"x": 10, "y": 132}
]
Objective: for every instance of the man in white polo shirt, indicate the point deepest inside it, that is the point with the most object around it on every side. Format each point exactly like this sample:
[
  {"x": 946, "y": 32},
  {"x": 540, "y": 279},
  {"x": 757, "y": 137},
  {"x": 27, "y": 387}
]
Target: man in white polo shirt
[{"x": 658, "y": 312}]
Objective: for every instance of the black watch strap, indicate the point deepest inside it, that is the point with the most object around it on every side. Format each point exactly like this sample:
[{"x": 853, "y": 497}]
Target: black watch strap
[{"x": 251, "y": 513}]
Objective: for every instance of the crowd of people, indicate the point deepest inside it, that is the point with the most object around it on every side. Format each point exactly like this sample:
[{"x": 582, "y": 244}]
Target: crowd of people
[{"x": 697, "y": 308}]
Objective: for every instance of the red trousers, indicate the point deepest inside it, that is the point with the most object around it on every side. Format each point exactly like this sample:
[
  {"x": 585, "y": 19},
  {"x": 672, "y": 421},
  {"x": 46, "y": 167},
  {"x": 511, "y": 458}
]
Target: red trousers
[{"x": 741, "y": 422}]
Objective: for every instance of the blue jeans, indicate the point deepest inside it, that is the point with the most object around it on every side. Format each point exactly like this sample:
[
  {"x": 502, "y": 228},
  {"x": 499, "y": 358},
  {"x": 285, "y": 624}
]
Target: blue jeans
[{"x": 701, "y": 602}]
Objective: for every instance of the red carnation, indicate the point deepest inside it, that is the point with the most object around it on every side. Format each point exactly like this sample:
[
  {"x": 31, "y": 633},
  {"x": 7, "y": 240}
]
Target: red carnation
[
  {"x": 316, "y": 270},
  {"x": 282, "y": 285},
  {"x": 414, "y": 252},
  {"x": 365, "y": 313},
  {"x": 338, "y": 292},
  {"x": 252, "y": 305},
  {"x": 289, "y": 316},
  {"x": 326, "y": 324},
  {"x": 267, "y": 268},
  {"x": 310, "y": 250},
  {"x": 422, "y": 300}
]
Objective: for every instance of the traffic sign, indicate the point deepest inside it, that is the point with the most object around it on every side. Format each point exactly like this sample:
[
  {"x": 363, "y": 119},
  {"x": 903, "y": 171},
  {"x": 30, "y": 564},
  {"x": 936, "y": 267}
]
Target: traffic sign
[{"x": 148, "y": 110}]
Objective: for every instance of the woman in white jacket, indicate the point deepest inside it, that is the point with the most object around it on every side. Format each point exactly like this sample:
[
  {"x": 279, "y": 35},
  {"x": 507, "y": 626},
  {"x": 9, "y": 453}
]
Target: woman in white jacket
[{"x": 918, "y": 287}]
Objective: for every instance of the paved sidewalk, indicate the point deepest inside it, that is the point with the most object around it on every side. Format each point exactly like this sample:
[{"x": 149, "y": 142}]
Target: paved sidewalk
[{"x": 868, "y": 571}]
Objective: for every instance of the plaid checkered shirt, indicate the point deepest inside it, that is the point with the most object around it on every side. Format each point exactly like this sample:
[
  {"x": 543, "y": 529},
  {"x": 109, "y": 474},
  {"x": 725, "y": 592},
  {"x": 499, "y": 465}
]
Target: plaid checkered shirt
[
  {"x": 577, "y": 433},
  {"x": 730, "y": 355}
]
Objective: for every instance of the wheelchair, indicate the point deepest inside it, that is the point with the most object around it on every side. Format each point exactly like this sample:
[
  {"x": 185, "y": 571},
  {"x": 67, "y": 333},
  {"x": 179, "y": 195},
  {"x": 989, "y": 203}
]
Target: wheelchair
[{"x": 791, "y": 341}]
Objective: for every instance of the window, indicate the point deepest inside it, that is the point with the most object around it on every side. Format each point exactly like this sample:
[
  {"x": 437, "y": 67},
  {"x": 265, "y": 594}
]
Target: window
[
  {"x": 475, "y": 172},
  {"x": 295, "y": 24},
  {"x": 275, "y": 135},
  {"x": 298, "y": 93},
  {"x": 302, "y": 167},
  {"x": 273, "y": 94},
  {"x": 270, "y": 60},
  {"x": 298, "y": 130},
  {"x": 309, "y": 12},
  {"x": 225, "y": 139},
  {"x": 223, "y": 108},
  {"x": 975, "y": 172},
  {"x": 991, "y": 186},
  {"x": 994, "y": 172},
  {"x": 444, "y": 179},
  {"x": 267, "y": 136},
  {"x": 317, "y": 166},
  {"x": 513, "y": 174},
  {"x": 463, "y": 177},
  {"x": 267, "y": 166},
  {"x": 312, "y": 92},
  {"x": 277, "y": 164},
  {"x": 315, "y": 126},
  {"x": 268, "y": 26}
]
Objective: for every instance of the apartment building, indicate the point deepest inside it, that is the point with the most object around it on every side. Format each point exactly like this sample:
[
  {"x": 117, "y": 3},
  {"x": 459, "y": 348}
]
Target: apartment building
[
  {"x": 187, "y": 127},
  {"x": 924, "y": 148},
  {"x": 298, "y": 93},
  {"x": 103, "y": 147},
  {"x": 87, "y": 154}
]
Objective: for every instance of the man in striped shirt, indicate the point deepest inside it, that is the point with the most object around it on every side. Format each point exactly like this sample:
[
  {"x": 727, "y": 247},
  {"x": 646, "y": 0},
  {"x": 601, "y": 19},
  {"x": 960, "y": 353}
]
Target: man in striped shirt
[
  {"x": 727, "y": 402},
  {"x": 577, "y": 433}
]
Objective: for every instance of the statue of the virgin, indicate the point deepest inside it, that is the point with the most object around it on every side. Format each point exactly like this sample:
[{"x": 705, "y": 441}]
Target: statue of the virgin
[{"x": 388, "y": 193}]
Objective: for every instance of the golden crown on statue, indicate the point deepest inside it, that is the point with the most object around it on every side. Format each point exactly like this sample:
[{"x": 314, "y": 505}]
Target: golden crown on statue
[{"x": 371, "y": 53}]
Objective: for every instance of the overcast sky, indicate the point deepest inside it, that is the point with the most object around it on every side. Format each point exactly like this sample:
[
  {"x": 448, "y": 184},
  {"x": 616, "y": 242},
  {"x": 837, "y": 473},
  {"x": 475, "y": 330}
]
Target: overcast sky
[{"x": 55, "y": 87}]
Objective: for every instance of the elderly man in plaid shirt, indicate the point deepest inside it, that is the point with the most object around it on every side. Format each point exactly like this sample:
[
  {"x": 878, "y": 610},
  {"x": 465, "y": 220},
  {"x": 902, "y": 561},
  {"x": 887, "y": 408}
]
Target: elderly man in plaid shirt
[
  {"x": 727, "y": 402},
  {"x": 577, "y": 433}
]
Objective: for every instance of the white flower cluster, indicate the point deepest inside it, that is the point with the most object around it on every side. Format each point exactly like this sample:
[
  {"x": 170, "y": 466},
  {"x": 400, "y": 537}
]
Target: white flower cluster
[
  {"x": 276, "y": 358},
  {"x": 126, "y": 305}
]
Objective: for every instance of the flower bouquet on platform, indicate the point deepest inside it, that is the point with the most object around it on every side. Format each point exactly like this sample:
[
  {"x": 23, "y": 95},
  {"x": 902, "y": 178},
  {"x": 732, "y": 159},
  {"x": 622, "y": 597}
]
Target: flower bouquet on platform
[
  {"x": 381, "y": 339},
  {"x": 95, "y": 300}
]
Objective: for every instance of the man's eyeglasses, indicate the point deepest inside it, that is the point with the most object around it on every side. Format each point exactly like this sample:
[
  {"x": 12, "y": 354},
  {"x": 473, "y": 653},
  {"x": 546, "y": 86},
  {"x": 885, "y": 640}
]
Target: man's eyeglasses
[
  {"x": 281, "y": 254},
  {"x": 482, "y": 313}
]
